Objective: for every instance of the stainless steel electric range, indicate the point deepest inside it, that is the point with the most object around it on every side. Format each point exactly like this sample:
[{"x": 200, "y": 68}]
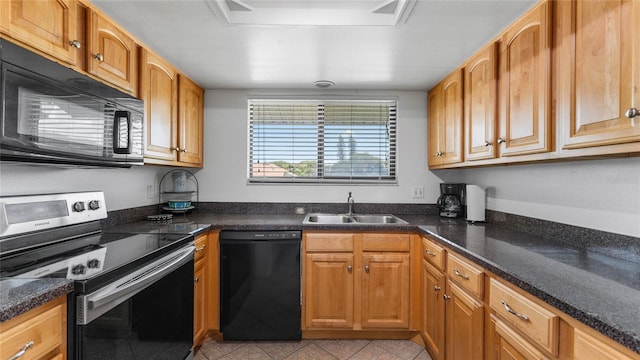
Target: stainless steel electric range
[{"x": 133, "y": 293}]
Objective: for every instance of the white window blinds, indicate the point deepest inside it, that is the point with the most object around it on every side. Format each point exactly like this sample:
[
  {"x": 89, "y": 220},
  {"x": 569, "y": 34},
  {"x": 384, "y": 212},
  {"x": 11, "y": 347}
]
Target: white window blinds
[{"x": 322, "y": 141}]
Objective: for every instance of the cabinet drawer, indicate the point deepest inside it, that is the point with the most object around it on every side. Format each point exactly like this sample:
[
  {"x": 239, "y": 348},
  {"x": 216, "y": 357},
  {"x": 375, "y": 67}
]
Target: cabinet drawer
[
  {"x": 466, "y": 274},
  {"x": 510, "y": 342},
  {"x": 537, "y": 323},
  {"x": 588, "y": 347},
  {"x": 386, "y": 242},
  {"x": 202, "y": 247},
  {"x": 44, "y": 329},
  {"x": 329, "y": 242},
  {"x": 433, "y": 253}
]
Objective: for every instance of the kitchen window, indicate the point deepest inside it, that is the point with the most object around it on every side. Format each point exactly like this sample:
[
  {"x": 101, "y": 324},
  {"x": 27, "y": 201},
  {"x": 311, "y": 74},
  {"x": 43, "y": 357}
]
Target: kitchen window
[{"x": 322, "y": 141}]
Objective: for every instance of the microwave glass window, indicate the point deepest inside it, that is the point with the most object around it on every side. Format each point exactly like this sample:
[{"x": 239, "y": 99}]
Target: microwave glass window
[{"x": 52, "y": 120}]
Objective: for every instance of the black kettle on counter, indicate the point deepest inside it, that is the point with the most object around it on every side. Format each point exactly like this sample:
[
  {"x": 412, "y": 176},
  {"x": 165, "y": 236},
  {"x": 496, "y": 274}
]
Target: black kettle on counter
[{"x": 452, "y": 200}]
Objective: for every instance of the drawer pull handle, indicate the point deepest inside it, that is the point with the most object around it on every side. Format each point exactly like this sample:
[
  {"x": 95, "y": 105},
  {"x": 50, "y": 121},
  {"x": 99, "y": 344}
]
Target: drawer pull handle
[
  {"x": 430, "y": 253},
  {"x": 201, "y": 248},
  {"x": 24, "y": 349},
  {"x": 349, "y": 268},
  {"x": 511, "y": 311},
  {"x": 458, "y": 273}
]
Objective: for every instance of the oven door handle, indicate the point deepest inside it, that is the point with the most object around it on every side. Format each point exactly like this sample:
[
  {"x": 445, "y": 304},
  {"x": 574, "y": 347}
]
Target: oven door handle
[{"x": 122, "y": 290}]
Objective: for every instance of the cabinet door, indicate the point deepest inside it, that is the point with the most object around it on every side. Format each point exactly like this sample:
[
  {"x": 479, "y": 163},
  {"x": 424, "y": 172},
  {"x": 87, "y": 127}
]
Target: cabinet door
[
  {"x": 199, "y": 289},
  {"x": 159, "y": 90},
  {"x": 385, "y": 290},
  {"x": 525, "y": 73},
  {"x": 49, "y": 26},
  {"x": 480, "y": 91},
  {"x": 191, "y": 122},
  {"x": 508, "y": 345},
  {"x": 464, "y": 325},
  {"x": 598, "y": 71},
  {"x": 329, "y": 290},
  {"x": 450, "y": 129},
  {"x": 433, "y": 286},
  {"x": 588, "y": 347},
  {"x": 112, "y": 55},
  {"x": 434, "y": 98}
]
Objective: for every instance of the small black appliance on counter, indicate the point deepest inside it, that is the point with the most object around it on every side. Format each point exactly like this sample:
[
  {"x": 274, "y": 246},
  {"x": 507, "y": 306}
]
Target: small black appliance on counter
[{"x": 453, "y": 200}]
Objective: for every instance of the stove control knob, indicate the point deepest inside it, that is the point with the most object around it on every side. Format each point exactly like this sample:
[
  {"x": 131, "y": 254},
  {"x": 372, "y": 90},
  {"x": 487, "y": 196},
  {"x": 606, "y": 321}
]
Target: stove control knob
[
  {"x": 93, "y": 264},
  {"x": 94, "y": 204},
  {"x": 78, "y": 206},
  {"x": 78, "y": 269}
]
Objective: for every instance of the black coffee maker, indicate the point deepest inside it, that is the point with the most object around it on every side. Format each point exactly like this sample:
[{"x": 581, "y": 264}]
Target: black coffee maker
[{"x": 452, "y": 201}]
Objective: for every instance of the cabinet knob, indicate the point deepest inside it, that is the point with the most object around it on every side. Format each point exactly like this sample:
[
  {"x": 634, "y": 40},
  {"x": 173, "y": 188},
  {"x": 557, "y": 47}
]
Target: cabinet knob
[
  {"x": 98, "y": 57},
  {"x": 439, "y": 153},
  {"x": 632, "y": 112},
  {"x": 446, "y": 297},
  {"x": 501, "y": 140},
  {"x": 436, "y": 288},
  {"x": 176, "y": 149},
  {"x": 349, "y": 268},
  {"x": 184, "y": 150},
  {"x": 196, "y": 280},
  {"x": 24, "y": 349},
  {"x": 366, "y": 268},
  {"x": 75, "y": 44},
  {"x": 487, "y": 143}
]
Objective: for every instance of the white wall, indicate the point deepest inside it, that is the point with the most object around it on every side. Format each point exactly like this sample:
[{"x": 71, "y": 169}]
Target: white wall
[
  {"x": 599, "y": 194},
  {"x": 224, "y": 177},
  {"x": 123, "y": 188}
]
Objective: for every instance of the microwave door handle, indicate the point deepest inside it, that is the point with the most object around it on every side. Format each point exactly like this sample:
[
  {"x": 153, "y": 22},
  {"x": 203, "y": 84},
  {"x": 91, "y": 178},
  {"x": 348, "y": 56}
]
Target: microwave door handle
[{"x": 119, "y": 116}]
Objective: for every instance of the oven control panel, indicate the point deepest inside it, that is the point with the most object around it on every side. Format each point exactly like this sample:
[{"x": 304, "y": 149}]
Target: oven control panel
[{"x": 22, "y": 214}]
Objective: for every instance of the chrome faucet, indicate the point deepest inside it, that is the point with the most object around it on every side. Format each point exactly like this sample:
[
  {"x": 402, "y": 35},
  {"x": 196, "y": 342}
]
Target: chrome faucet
[{"x": 350, "y": 202}]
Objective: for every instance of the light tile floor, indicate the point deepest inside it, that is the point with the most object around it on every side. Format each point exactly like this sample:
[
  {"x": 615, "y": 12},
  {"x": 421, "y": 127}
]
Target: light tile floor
[{"x": 313, "y": 349}]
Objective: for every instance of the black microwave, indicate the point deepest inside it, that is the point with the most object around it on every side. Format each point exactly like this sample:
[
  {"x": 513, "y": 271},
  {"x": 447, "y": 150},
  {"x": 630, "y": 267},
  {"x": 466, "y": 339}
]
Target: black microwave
[{"x": 53, "y": 114}]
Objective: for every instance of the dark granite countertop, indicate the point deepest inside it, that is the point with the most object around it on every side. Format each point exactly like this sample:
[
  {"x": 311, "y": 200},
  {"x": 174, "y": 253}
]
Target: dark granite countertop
[
  {"x": 595, "y": 283},
  {"x": 17, "y": 296}
]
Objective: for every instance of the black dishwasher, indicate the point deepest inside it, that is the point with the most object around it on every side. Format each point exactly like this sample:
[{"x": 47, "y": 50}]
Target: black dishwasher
[{"x": 260, "y": 285}]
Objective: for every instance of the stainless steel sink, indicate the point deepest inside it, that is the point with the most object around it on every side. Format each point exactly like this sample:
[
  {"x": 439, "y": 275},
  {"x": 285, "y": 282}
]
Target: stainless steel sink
[
  {"x": 327, "y": 219},
  {"x": 316, "y": 218},
  {"x": 378, "y": 219}
]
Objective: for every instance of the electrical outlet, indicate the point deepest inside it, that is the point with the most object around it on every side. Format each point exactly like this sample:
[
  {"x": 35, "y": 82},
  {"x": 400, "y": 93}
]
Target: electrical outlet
[
  {"x": 417, "y": 192},
  {"x": 149, "y": 191}
]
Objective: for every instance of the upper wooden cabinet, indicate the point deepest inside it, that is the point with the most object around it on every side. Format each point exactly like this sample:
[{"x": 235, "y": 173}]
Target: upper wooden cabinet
[
  {"x": 190, "y": 122},
  {"x": 112, "y": 54},
  {"x": 445, "y": 110},
  {"x": 525, "y": 84},
  {"x": 598, "y": 71},
  {"x": 159, "y": 90},
  {"x": 480, "y": 114},
  {"x": 48, "y": 25}
]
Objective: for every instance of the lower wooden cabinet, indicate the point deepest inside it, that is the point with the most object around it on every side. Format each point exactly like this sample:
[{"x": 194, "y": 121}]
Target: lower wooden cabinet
[
  {"x": 201, "y": 289},
  {"x": 44, "y": 327},
  {"x": 508, "y": 345},
  {"x": 464, "y": 323},
  {"x": 356, "y": 281},
  {"x": 433, "y": 288}
]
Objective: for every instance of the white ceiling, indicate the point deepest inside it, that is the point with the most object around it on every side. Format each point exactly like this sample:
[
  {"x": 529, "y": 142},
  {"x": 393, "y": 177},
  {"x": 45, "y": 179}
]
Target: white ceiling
[{"x": 430, "y": 39}]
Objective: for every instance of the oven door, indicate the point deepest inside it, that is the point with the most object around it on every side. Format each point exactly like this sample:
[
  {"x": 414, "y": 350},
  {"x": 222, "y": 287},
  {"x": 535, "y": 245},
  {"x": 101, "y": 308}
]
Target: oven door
[{"x": 146, "y": 315}]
